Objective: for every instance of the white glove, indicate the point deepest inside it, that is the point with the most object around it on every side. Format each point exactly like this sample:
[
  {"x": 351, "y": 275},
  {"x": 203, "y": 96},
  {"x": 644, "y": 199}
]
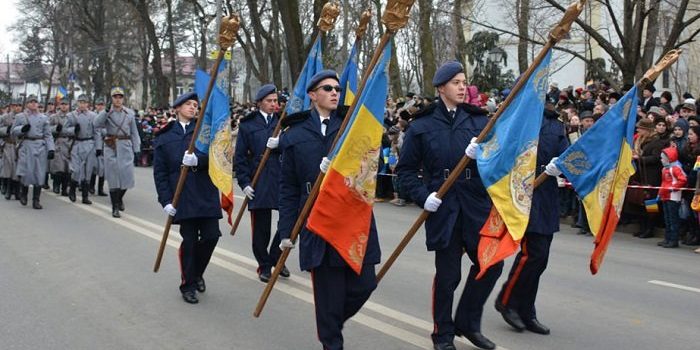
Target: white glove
[
  {"x": 551, "y": 169},
  {"x": 189, "y": 159},
  {"x": 273, "y": 142},
  {"x": 472, "y": 148},
  {"x": 432, "y": 203},
  {"x": 325, "y": 164},
  {"x": 170, "y": 210},
  {"x": 249, "y": 192},
  {"x": 286, "y": 243}
]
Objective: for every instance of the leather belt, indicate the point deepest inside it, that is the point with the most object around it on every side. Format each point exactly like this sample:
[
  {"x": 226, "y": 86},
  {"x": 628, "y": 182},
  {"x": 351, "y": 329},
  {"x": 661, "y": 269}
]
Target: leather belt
[
  {"x": 120, "y": 137},
  {"x": 83, "y": 139},
  {"x": 33, "y": 138}
]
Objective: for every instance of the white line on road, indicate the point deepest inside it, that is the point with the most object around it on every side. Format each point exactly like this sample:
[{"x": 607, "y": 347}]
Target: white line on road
[{"x": 673, "y": 285}]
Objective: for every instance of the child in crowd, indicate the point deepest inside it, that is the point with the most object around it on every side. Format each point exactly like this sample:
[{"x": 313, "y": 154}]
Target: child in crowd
[{"x": 672, "y": 179}]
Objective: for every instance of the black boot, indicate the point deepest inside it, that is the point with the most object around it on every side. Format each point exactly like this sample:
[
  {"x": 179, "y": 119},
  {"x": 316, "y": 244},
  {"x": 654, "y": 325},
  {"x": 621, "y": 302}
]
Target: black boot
[
  {"x": 65, "y": 184},
  {"x": 10, "y": 189},
  {"x": 101, "y": 187},
  {"x": 91, "y": 186},
  {"x": 46, "y": 182},
  {"x": 121, "y": 200},
  {"x": 3, "y": 186},
  {"x": 84, "y": 191},
  {"x": 56, "y": 183},
  {"x": 114, "y": 198},
  {"x": 24, "y": 190},
  {"x": 36, "y": 193},
  {"x": 71, "y": 192}
]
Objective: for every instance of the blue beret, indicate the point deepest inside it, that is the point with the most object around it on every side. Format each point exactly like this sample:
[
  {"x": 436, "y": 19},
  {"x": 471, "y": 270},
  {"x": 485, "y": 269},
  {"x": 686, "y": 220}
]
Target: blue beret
[
  {"x": 318, "y": 77},
  {"x": 446, "y": 72},
  {"x": 184, "y": 98},
  {"x": 264, "y": 91}
]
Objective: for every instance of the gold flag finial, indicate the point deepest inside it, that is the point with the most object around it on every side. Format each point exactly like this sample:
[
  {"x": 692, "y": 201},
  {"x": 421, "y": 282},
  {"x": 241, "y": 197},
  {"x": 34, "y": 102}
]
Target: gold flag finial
[
  {"x": 396, "y": 14},
  {"x": 669, "y": 58},
  {"x": 228, "y": 31},
  {"x": 364, "y": 21},
  {"x": 564, "y": 26},
  {"x": 329, "y": 14}
]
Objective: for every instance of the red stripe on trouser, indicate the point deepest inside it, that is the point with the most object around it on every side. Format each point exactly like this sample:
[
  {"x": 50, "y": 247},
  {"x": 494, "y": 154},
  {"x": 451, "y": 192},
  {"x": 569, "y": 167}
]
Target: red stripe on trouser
[
  {"x": 435, "y": 325},
  {"x": 514, "y": 279},
  {"x": 182, "y": 270},
  {"x": 252, "y": 232}
]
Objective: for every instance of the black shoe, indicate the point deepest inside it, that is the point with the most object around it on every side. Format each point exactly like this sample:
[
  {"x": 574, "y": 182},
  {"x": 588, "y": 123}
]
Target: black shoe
[
  {"x": 535, "y": 326},
  {"x": 444, "y": 346},
  {"x": 647, "y": 234},
  {"x": 479, "y": 340},
  {"x": 71, "y": 193},
  {"x": 285, "y": 272},
  {"x": 84, "y": 193},
  {"x": 637, "y": 234},
  {"x": 201, "y": 286},
  {"x": 86, "y": 200},
  {"x": 36, "y": 204},
  {"x": 662, "y": 243},
  {"x": 121, "y": 200},
  {"x": 23, "y": 195},
  {"x": 670, "y": 244},
  {"x": 264, "y": 276},
  {"x": 102, "y": 194},
  {"x": 695, "y": 240},
  {"x": 190, "y": 297},
  {"x": 115, "y": 212},
  {"x": 511, "y": 317}
]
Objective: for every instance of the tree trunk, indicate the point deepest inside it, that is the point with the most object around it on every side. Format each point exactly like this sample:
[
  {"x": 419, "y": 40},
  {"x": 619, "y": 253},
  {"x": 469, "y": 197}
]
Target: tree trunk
[
  {"x": 161, "y": 82},
  {"x": 461, "y": 49},
  {"x": 173, "y": 50},
  {"x": 394, "y": 72},
  {"x": 289, "y": 9},
  {"x": 425, "y": 9},
  {"x": 275, "y": 47},
  {"x": 523, "y": 16}
]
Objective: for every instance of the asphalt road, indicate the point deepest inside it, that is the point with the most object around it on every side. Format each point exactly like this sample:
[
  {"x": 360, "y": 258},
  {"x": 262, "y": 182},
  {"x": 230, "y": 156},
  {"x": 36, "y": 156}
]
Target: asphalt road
[{"x": 72, "y": 277}]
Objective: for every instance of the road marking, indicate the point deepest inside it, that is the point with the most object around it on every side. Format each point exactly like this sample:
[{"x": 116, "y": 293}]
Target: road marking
[{"x": 673, "y": 285}]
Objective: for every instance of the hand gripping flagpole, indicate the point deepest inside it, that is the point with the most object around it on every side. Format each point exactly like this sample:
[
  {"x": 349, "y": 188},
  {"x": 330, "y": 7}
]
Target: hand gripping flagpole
[
  {"x": 227, "y": 34},
  {"x": 329, "y": 14},
  {"x": 395, "y": 17},
  {"x": 557, "y": 34}
]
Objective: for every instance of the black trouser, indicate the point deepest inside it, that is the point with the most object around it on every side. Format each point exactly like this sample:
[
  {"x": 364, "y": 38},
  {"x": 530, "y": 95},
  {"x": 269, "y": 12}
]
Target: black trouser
[
  {"x": 448, "y": 266},
  {"x": 199, "y": 238},
  {"x": 339, "y": 293},
  {"x": 520, "y": 290},
  {"x": 261, "y": 220}
]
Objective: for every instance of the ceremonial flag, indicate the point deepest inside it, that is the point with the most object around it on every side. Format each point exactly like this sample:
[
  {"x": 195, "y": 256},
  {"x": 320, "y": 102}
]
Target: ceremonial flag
[
  {"x": 61, "y": 93},
  {"x": 216, "y": 140},
  {"x": 342, "y": 213},
  {"x": 299, "y": 101},
  {"x": 507, "y": 159},
  {"x": 348, "y": 80},
  {"x": 599, "y": 166}
]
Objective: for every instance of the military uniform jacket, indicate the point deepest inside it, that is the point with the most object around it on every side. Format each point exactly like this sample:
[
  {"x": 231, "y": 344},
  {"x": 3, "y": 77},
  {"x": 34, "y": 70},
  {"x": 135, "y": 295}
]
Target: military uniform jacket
[
  {"x": 32, "y": 161},
  {"x": 119, "y": 161},
  {"x": 253, "y": 132},
  {"x": 435, "y": 143},
  {"x": 303, "y": 147},
  {"x": 9, "y": 156},
  {"x": 199, "y": 198},
  {"x": 83, "y": 160},
  {"x": 544, "y": 213},
  {"x": 62, "y": 140}
]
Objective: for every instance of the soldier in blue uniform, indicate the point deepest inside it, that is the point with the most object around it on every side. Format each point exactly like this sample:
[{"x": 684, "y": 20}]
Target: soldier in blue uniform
[
  {"x": 198, "y": 211},
  {"x": 434, "y": 143},
  {"x": 339, "y": 292},
  {"x": 516, "y": 301},
  {"x": 254, "y": 136}
]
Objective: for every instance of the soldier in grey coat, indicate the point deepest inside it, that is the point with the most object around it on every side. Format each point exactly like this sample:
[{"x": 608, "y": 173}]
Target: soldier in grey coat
[
  {"x": 35, "y": 149},
  {"x": 4, "y": 109},
  {"x": 59, "y": 165},
  {"x": 9, "y": 151},
  {"x": 121, "y": 141},
  {"x": 99, "y": 174},
  {"x": 83, "y": 157}
]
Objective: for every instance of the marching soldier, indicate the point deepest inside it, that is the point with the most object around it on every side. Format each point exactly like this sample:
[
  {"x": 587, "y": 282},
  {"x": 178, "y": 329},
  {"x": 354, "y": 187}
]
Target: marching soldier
[
  {"x": 99, "y": 173},
  {"x": 59, "y": 165},
  {"x": 83, "y": 159},
  {"x": 339, "y": 292},
  {"x": 4, "y": 109},
  {"x": 198, "y": 212},
  {"x": 9, "y": 151},
  {"x": 516, "y": 301},
  {"x": 435, "y": 142},
  {"x": 121, "y": 141},
  {"x": 35, "y": 149},
  {"x": 254, "y": 136},
  {"x": 50, "y": 107}
]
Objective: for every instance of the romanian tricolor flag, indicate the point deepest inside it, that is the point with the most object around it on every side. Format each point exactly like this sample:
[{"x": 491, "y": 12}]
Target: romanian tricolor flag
[
  {"x": 507, "y": 159},
  {"x": 342, "y": 213},
  {"x": 215, "y": 139},
  {"x": 299, "y": 101},
  {"x": 348, "y": 80},
  {"x": 61, "y": 93},
  {"x": 599, "y": 166}
]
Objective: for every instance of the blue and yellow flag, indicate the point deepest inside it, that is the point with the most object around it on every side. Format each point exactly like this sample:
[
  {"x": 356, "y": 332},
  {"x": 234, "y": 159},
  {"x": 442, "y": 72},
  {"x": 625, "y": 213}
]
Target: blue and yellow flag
[
  {"x": 215, "y": 139},
  {"x": 61, "y": 93},
  {"x": 299, "y": 101},
  {"x": 599, "y": 166},
  {"x": 342, "y": 213},
  {"x": 348, "y": 80}
]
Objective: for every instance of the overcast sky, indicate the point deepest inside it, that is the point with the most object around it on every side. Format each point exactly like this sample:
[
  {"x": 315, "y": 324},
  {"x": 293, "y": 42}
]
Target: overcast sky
[{"x": 8, "y": 16}]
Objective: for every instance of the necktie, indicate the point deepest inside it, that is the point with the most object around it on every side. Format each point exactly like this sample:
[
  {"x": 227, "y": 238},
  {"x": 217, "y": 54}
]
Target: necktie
[
  {"x": 452, "y": 114},
  {"x": 324, "y": 126},
  {"x": 269, "y": 119}
]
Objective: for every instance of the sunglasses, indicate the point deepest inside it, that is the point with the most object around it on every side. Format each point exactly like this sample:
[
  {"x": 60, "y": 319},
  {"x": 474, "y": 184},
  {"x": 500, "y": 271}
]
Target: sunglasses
[{"x": 329, "y": 88}]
